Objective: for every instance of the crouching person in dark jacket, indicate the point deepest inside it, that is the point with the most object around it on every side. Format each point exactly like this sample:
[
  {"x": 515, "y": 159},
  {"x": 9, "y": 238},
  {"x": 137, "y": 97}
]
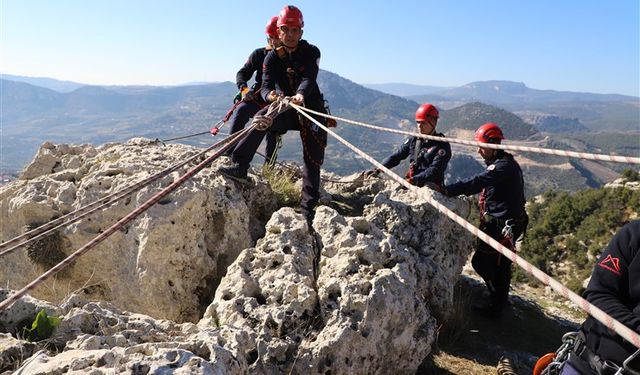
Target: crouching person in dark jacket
[{"x": 428, "y": 158}]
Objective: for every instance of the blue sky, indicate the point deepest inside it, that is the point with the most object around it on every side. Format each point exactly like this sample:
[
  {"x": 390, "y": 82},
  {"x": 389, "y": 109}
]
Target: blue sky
[{"x": 573, "y": 45}]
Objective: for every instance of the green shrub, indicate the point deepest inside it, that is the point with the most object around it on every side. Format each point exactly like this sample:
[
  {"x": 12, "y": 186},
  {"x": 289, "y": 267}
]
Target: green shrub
[
  {"x": 575, "y": 227},
  {"x": 42, "y": 327},
  {"x": 631, "y": 175}
]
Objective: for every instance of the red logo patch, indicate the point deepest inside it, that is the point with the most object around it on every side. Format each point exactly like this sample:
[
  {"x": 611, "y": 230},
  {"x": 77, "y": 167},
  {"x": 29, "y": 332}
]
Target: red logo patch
[{"x": 611, "y": 264}]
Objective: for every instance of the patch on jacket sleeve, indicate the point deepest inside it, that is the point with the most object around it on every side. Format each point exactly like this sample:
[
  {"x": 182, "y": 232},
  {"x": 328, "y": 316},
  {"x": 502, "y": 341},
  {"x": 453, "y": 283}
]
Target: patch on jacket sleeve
[
  {"x": 491, "y": 167},
  {"x": 611, "y": 264}
]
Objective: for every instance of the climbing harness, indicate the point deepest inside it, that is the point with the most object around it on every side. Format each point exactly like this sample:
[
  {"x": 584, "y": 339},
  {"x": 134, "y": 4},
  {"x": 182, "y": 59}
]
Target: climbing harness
[
  {"x": 552, "y": 363},
  {"x": 574, "y": 351}
]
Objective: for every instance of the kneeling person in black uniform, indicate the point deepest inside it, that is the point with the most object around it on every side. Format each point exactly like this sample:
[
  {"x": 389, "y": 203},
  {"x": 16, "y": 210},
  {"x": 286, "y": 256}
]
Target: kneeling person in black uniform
[
  {"x": 428, "y": 158},
  {"x": 615, "y": 289},
  {"x": 502, "y": 215}
]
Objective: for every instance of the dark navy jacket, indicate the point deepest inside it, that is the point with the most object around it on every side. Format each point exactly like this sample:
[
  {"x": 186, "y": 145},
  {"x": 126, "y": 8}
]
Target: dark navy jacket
[
  {"x": 252, "y": 65},
  {"x": 431, "y": 162},
  {"x": 615, "y": 288},
  {"x": 292, "y": 73},
  {"x": 503, "y": 184}
]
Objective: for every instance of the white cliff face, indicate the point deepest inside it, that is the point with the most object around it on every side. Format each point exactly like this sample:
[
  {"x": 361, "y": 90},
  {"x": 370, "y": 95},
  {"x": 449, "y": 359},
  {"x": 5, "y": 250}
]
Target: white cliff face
[
  {"x": 357, "y": 295},
  {"x": 167, "y": 262}
]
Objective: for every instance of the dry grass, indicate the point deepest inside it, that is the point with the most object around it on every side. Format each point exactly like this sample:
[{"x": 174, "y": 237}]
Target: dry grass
[
  {"x": 282, "y": 182},
  {"x": 451, "y": 364},
  {"x": 46, "y": 251}
]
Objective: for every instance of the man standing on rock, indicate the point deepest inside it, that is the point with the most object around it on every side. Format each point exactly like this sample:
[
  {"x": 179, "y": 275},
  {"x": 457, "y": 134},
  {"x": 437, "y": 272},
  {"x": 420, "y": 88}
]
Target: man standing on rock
[
  {"x": 428, "y": 158},
  {"x": 502, "y": 215},
  {"x": 252, "y": 102},
  {"x": 290, "y": 70}
]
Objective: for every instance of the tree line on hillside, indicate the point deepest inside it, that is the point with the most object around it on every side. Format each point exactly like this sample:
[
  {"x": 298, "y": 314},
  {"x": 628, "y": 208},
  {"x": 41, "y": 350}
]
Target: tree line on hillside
[{"x": 568, "y": 231}]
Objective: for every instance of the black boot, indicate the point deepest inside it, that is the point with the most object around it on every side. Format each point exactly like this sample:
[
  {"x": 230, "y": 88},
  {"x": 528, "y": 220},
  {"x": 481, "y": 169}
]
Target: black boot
[{"x": 236, "y": 172}]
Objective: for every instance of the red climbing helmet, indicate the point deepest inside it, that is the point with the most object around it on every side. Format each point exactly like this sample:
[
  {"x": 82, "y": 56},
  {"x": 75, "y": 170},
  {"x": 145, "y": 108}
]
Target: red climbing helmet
[
  {"x": 426, "y": 110},
  {"x": 272, "y": 27},
  {"x": 290, "y": 16},
  {"x": 489, "y": 133}
]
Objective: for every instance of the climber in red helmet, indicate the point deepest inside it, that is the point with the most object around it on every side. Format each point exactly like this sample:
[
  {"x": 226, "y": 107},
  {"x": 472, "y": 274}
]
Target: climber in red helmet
[
  {"x": 252, "y": 102},
  {"x": 502, "y": 215},
  {"x": 428, "y": 158},
  {"x": 290, "y": 70}
]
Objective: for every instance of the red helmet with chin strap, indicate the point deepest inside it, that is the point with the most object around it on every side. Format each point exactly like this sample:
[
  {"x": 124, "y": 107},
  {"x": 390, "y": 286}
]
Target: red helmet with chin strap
[
  {"x": 290, "y": 16},
  {"x": 426, "y": 110},
  {"x": 489, "y": 133},
  {"x": 272, "y": 27}
]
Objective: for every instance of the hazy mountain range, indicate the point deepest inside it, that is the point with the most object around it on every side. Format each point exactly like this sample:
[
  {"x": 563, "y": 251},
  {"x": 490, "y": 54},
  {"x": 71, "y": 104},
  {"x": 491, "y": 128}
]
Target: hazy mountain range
[{"x": 39, "y": 109}]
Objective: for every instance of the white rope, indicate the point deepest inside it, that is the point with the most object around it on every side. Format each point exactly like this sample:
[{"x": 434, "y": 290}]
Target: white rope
[
  {"x": 549, "y": 151},
  {"x": 592, "y": 310}
]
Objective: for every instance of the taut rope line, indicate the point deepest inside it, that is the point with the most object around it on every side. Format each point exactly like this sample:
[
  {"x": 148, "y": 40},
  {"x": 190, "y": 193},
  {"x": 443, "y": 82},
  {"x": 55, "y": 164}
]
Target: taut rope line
[{"x": 549, "y": 151}]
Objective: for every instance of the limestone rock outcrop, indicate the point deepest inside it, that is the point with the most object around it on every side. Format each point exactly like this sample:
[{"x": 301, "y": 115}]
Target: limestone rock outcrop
[{"x": 167, "y": 262}]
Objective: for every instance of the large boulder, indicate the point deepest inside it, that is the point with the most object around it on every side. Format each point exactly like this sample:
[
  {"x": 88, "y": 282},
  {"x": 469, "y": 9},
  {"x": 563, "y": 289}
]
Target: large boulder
[
  {"x": 166, "y": 263},
  {"x": 358, "y": 295}
]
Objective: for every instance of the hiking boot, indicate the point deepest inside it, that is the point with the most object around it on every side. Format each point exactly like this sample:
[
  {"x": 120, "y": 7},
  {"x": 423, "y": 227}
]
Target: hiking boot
[{"x": 235, "y": 172}]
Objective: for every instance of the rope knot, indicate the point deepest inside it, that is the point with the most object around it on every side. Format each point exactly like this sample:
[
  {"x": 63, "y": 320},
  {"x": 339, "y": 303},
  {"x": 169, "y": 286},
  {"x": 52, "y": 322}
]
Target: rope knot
[{"x": 264, "y": 122}]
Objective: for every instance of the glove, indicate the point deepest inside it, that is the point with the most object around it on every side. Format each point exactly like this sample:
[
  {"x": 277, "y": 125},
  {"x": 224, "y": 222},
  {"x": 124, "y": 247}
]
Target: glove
[
  {"x": 237, "y": 98},
  {"x": 371, "y": 173},
  {"x": 240, "y": 95},
  {"x": 248, "y": 96}
]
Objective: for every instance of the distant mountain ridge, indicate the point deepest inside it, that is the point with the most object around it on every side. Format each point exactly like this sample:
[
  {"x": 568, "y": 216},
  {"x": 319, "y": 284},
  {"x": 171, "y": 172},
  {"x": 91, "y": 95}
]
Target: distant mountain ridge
[
  {"x": 49, "y": 83},
  {"x": 503, "y": 92},
  {"x": 405, "y": 89},
  {"x": 470, "y": 116}
]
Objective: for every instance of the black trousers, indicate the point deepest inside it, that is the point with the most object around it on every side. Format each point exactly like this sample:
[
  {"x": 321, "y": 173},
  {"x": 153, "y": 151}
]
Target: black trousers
[
  {"x": 314, "y": 141},
  {"x": 493, "y": 267},
  {"x": 241, "y": 115}
]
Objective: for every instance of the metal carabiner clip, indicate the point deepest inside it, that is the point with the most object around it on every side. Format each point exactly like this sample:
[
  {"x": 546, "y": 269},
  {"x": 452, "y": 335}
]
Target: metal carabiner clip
[{"x": 507, "y": 230}]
